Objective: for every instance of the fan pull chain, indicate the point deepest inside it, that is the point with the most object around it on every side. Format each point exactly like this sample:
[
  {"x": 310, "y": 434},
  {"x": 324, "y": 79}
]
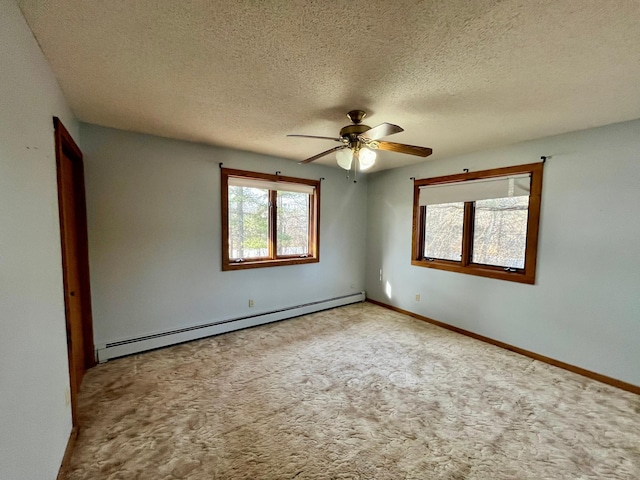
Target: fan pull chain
[{"x": 354, "y": 164}]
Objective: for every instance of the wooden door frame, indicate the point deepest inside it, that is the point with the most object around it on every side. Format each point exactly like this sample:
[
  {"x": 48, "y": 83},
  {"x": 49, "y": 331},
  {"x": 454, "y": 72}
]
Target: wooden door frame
[{"x": 64, "y": 143}]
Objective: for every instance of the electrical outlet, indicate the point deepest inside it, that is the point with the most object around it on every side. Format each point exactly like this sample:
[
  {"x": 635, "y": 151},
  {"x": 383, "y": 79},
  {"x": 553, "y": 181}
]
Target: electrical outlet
[
  {"x": 353, "y": 286},
  {"x": 250, "y": 303},
  {"x": 380, "y": 274},
  {"x": 417, "y": 297},
  {"x": 67, "y": 397}
]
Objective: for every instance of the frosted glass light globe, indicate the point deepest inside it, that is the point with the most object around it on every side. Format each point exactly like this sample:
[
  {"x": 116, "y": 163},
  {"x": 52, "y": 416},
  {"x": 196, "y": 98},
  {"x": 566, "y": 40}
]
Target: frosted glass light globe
[
  {"x": 344, "y": 158},
  {"x": 367, "y": 158}
]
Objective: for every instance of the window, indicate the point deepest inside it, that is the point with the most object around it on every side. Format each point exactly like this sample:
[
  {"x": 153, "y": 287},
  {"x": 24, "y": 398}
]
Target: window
[
  {"x": 268, "y": 220},
  {"x": 481, "y": 223}
]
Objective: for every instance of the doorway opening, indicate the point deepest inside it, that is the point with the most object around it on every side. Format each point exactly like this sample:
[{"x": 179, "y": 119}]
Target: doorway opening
[{"x": 75, "y": 260}]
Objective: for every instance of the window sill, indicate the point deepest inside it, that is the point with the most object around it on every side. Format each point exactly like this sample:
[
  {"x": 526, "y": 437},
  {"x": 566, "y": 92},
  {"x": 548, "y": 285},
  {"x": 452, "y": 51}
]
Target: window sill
[
  {"x": 479, "y": 270},
  {"x": 281, "y": 262}
]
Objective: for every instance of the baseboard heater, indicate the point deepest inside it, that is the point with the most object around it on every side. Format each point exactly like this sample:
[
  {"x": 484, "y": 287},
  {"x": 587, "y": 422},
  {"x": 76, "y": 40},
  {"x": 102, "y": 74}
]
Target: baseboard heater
[{"x": 151, "y": 341}]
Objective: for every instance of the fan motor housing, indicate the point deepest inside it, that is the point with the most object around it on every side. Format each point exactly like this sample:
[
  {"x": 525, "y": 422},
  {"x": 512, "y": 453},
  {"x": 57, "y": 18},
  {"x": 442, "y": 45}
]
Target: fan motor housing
[{"x": 355, "y": 130}]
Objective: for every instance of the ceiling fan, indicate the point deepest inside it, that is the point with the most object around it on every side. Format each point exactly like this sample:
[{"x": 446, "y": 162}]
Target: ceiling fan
[{"x": 359, "y": 143}]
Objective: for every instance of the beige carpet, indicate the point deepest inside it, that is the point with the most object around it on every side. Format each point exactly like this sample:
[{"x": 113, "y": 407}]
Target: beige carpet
[{"x": 358, "y": 392}]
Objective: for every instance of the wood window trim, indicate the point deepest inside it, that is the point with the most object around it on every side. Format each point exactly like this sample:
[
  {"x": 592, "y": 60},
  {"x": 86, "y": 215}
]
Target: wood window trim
[
  {"x": 525, "y": 275},
  {"x": 271, "y": 261}
]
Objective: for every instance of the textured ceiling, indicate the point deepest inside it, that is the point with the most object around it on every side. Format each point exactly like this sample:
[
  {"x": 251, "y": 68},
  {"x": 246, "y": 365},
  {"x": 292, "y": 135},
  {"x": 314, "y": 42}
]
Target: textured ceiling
[{"x": 458, "y": 75}]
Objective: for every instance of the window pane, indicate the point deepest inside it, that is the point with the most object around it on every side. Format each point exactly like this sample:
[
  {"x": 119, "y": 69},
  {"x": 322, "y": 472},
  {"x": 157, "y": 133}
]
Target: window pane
[
  {"x": 293, "y": 223},
  {"x": 500, "y": 231},
  {"x": 443, "y": 231},
  {"x": 248, "y": 222}
]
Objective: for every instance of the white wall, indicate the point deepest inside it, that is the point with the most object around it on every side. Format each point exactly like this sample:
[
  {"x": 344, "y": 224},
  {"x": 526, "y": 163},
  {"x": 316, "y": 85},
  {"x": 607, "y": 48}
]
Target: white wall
[
  {"x": 155, "y": 242},
  {"x": 35, "y": 421},
  {"x": 585, "y": 306}
]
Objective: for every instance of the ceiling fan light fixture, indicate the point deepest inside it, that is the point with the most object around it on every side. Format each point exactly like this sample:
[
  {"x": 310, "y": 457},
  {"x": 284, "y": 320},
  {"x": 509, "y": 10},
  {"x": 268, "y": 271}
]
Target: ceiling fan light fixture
[
  {"x": 344, "y": 158},
  {"x": 366, "y": 158},
  {"x": 358, "y": 140}
]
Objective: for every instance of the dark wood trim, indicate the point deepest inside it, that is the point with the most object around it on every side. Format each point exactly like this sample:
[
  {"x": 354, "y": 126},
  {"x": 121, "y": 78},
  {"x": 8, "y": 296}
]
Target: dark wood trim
[
  {"x": 68, "y": 141},
  {"x": 488, "y": 271},
  {"x": 533, "y": 223},
  {"x": 64, "y": 141},
  {"x": 629, "y": 387},
  {"x": 230, "y": 172},
  {"x": 63, "y": 472},
  {"x": 273, "y": 260},
  {"x": 224, "y": 219},
  {"x": 61, "y": 134},
  {"x": 421, "y": 233},
  {"x": 65, "y": 145},
  {"x": 526, "y": 275},
  {"x": 468, "y": 225},
  {"x": 279, "y": 262},
  {"x": 479, "y": 175},
  {"x": 87, "y": 309},
  {"x": 417, "y": 233},
  {"x": 314, "y": 227},
  {"x": 273, "y": 223}
]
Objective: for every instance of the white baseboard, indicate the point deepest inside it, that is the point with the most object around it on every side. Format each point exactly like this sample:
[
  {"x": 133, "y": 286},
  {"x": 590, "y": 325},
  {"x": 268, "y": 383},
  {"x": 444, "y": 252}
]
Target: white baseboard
[{"x": 154, "y": 340}]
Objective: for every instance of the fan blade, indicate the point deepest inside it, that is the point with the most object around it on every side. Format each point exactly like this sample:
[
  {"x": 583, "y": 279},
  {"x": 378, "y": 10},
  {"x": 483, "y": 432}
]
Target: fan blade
[
  {"x": 402, "y": 148},
  {"x": 315, "y": 157},
  {"x": 313, "y": 136},
  {"x": 382, "y": 130}
]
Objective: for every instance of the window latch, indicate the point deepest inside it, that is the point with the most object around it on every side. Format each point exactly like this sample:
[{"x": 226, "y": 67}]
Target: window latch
[
  {"x": 429, "y": 259},
  {"x": 509, "y": 269},
  {"x": 239, "y": 260},
  {"x": 304, "y": 256}
]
